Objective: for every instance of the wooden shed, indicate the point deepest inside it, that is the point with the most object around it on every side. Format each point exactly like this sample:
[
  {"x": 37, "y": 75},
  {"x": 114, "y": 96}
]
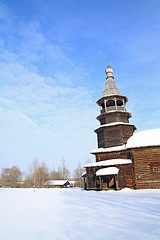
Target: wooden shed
[{"x": 57, "y": 184}]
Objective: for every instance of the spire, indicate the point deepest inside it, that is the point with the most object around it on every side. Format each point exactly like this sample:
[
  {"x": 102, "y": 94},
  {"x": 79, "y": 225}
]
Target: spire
[{"x": 110, "y": 86}]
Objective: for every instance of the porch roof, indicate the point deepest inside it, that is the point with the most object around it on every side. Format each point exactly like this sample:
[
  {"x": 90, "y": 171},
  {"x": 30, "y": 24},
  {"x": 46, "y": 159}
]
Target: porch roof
[
  {"x": 107, "y": 171},
  {"x": 110, "y": 162}
]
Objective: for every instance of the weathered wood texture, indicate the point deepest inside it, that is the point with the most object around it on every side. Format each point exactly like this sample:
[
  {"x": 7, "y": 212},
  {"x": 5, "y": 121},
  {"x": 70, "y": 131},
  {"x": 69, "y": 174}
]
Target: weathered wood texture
[
  {"x": 144, "y": 161},
  {"x": 91, "y": 178},
  {"x": 111, "y": 117},
  {"x": 124, "y": 177},
  {"x": 140, "y": 174},
  {"x": 126, "y": 154},
  {"x": 114, "y": 135}
]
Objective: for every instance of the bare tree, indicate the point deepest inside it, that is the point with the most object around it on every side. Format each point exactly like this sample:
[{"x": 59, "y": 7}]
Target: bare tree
[
  {"x": 42, "y": 175},
  {"x": 5, "y": 177},
  {"x": 63, "y": 172},
  {"x": 38, "y": 175},
  {"x": 11, "y": 176},
  {"x": 31, "y": 180},
  {"x": 54, "y": 175},
  {"x": 77, "y": 175}
]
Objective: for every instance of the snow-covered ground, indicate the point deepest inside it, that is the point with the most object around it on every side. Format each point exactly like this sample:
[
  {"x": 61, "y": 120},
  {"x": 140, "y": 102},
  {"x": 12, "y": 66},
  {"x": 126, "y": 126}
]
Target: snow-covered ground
[{"x": 60, "y": 214}]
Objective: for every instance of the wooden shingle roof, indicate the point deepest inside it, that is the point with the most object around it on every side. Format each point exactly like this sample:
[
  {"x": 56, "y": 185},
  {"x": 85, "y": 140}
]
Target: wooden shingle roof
[{"x": 110, "y": 86}]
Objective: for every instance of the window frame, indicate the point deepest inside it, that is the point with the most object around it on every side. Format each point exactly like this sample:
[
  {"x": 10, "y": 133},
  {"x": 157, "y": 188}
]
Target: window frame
[{"x": 155, "y": 168}]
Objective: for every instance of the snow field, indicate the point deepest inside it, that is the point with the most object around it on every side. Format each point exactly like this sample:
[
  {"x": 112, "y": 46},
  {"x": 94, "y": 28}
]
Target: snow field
[{"x": 66, "y": 214}]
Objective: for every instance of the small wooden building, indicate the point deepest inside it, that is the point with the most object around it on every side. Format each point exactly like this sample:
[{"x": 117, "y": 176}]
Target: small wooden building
[
  {"x": 57, "y": 184},
  {"x": 124, "y": 158}
]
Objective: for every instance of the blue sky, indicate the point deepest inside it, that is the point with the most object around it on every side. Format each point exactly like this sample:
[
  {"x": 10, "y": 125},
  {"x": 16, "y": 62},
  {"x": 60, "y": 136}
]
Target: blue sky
[{"x": 52, "y": 60}]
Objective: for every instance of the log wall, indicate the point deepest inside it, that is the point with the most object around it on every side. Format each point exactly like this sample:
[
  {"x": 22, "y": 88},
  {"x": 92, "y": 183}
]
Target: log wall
[
  {"x": 115, "y": 135},
  {"x": 144, "y": 161},
  {"x": 142, "y": 173}
]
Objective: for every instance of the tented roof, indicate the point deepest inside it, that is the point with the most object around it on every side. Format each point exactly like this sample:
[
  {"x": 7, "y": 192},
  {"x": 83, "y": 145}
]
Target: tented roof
[
  {"x": 110, "y": 88},
  {"x": 107, "y": 171}
]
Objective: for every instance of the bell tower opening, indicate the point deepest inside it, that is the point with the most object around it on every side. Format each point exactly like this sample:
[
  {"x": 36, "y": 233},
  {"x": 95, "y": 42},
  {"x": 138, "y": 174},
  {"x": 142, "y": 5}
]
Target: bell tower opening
[
  {"x": 110, "y": 103},
  {"x": 120, "y": 103}
]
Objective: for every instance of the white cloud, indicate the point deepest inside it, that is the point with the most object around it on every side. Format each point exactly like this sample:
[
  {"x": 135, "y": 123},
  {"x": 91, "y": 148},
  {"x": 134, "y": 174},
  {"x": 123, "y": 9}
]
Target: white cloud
[{"x": 42, "y": 114}]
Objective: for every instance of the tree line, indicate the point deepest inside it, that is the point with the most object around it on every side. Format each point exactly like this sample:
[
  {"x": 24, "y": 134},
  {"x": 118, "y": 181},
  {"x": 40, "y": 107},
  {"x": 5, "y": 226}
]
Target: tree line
[{"x": 38, "y": 174}]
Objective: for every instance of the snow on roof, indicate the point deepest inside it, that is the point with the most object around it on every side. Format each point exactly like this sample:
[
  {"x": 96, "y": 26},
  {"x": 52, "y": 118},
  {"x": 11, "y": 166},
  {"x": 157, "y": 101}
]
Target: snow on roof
[
  {"x": 83, "y": 174},
  {"x": 56, "y": 182},
  {"x": 110, "y": 149},
  {"x": 138, "y": 139},
  {"x": 72, "y": 182},
  {"x": 109, "y": 162},
  {"x": 144, "y": 138},
  {"x": 113, "y": 124},
  {"x": 107, "y": 171}
]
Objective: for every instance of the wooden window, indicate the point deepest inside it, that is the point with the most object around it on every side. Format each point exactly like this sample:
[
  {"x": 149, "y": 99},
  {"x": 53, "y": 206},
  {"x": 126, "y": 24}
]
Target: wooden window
[{"x": 155, "y": 168}]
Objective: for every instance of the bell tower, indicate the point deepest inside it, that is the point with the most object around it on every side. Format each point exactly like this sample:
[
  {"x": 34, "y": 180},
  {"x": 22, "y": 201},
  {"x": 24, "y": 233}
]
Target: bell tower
[{"x": 114, "y": 129}]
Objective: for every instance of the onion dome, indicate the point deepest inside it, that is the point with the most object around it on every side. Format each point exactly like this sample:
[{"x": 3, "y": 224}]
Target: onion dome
[{"x": 109, "y": 70}]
